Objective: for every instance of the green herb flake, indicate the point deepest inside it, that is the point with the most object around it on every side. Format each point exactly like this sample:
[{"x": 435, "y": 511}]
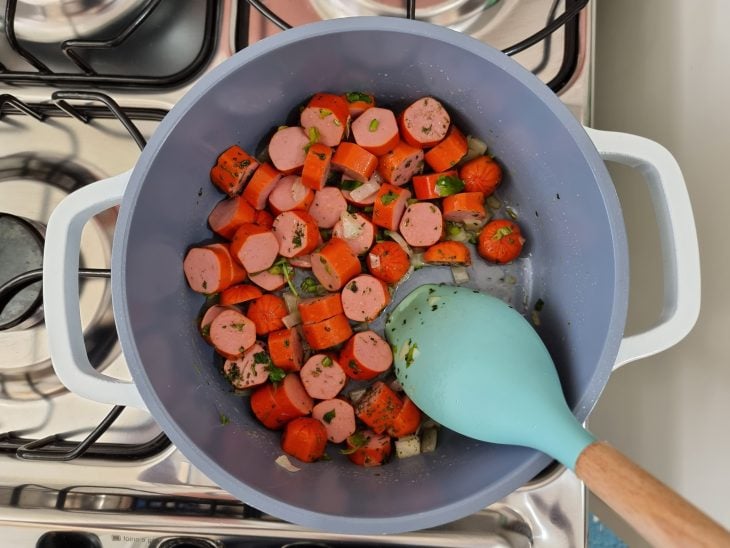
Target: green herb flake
[
  {"x": 539, "y": 304},
  {"x": 328, "y": 416},
  {"x": 326, "y": 361},
  {"x": 350, "y": 184},
  {"x": 298, "y": 235},
  {"x": 446, "y": 185},
  {"x": 355, "y": 96},
  {"x": 311, "y": 285},
  {"x": 409, "y": 355},
  {"x": 205, "y": 330},
  {"x": 321, "y": 155},
  {"x": 356, "y": 441},
  {"x": 453, "y": 229},
  {"x": 388, "y": 197},
  {"x": 353, "y": 287},
  {"x": 373, "y": 127},
  {"x": 205, "y": 284},
  {"x": 324, "y": 112},
  {"x": 224, "y": 419}
]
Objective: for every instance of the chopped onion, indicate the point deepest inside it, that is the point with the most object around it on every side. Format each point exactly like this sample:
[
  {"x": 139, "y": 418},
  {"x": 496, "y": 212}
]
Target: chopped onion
[
  {"x": 397, "y": 238},
  {"x": 365, "y": 190},
  {"x": 460, "y": 236},
  {"x": 291, "y": 301},
  {"x": 285, "y": 463},
  {"x": 417, "y": 261},
  {"x": 374, "y": 260},
  {"x": 493, "y": 202},
  {"x": 356, "y": 395},
  {"x": 475, "y": 223},
  {"x": 395, "y": 385},
  {"x": 351, "y": 227},
  {"x": 433, "y": 301},
  {"x": 535, "y": 317},
  {"x": 460, "y": 274},
  {"x": 292, "y": 319},
  {"x": 428, "y": 440},
  {"x": 407, "y": 446},
  {"x": 298, "y": 190},
  {"x": 476, "y": 147}
]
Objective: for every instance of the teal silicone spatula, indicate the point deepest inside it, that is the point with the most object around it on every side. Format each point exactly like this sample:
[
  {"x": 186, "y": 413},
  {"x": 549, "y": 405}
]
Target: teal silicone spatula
[{"x": 477, "y": 367}]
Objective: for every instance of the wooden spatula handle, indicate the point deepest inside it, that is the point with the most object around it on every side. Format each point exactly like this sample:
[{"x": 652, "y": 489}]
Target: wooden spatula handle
[{"x": 659, "y": 514}]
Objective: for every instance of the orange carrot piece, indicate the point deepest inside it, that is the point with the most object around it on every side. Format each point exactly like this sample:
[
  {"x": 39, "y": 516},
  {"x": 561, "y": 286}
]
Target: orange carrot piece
[
  {"x": 266, "y": 313},
  {"x": 448, "y": 152},
  {"x": 406, "y": 422},
  {"x": 354, "y": 161},
  {"x": 327, "y": 333},
  {"x": 240, "y": 293},
  {"x": 388, "y": 262},
  {"x": 316, "y": 166},
  {"x": 482, "y": 174},
  {"x": 260, "y": 186},
  {"x": 232, "y": 169},
  {"x": 500, "y": 241},
  {"x": 451, "y": 253},
  {"x": 304, "y": 438},
  {"x": 424, "y": 186},
  {"x": 378, "y": 407},
  {"x": 322, "y": 308}
]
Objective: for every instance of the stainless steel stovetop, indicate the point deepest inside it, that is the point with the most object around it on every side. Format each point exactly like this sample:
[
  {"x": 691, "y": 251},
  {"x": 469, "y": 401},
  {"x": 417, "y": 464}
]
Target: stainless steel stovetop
[{"x": 158, "y": 497}]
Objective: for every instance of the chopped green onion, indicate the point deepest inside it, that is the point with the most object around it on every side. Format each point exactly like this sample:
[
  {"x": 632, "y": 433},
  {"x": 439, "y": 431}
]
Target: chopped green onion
[
  {"x": 326, "y": 361},
  {"x": 388, "y": 197},
  {"x": 373, "y": 125},
  {"x": 446, "y": 185},
  {"x": 313, "y": 134},
  {"x": 328, "y": 416},
  {"x": 355, "y": 96},
  {"x": 350, "y": 184},
  {"x": 324, "y": 112},
  {"x": 452, "y": 229}
]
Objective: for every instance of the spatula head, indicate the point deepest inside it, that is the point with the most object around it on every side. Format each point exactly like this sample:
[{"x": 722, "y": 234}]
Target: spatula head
[{"x": 475, "y": 365}]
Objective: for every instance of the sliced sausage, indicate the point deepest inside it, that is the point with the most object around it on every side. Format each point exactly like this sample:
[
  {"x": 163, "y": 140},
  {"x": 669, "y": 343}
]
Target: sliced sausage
[
  {"x": 276, "y": 405},
  {"x": 321, "y": 308},
  {"x": 322, "y": 377},
  {"x": 238, "y": 273},
  {"x": 255, "y": 247},
  {"x": 335, "y": 264},
  {"x": 388, "y": 261},
  {"x": 305, "y": 439},
  {"x": 288, "y": 149},
  {"x": 264, "y": 218},
  {"x": 246, "y": 372},
  {"x": 364, "y": 298},
  {"x": 338, "y": 418},
  {"x": 376, "y": 130},
  {"x": 329, "y": 114},
  {"x": 354, "y": 161},
  {"x": 368, "y": 448},
  {"x": 356, "y": 230},
  {"x": 233, "y": 168},
  {"x": 422, "y": 224},
  {"x": 358, "y": 102},
  {"x": 268, "y": 281},
  {"x": 464, "y": 207},
  {"x": 424, "y": 122},
  {"x": 327, "y": 206},
  {"x": 378, "y": 407},
  {"x": 400, "y": 164},
  {"x": 208, "y": 269},
  {"x": 301, "y": 261},
  {"x": 289, "y": 194},
  {"x": 327, "y": 333},
  {"x": 425, "y": 187},
  {"x": 366, "y": 355},
  {"x": 285, "y": 349},
  {"x": 389, "y": 205},
  {"x": 448, "y": 152},
  {"x": 229, "y": 214},
  {"x": 239, "y": 293},
  {"x": 232, "y": 333},
  {"x": 297, "y": 233},
  {"x": 316, "y": 167},
  {"x": 211, "y": 314},
  {"x": 260, "y": 186}
]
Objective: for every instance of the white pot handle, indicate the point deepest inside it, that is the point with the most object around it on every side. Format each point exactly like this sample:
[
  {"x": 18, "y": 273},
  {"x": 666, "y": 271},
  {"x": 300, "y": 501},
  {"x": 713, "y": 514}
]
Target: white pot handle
[
  {"x": 680, "y": 253},
  {"x": 61, "y": 294}
]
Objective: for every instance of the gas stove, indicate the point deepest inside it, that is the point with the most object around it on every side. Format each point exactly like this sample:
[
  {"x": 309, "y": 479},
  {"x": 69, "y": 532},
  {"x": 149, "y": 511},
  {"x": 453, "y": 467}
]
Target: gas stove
[{"x": 79, "y": 95}]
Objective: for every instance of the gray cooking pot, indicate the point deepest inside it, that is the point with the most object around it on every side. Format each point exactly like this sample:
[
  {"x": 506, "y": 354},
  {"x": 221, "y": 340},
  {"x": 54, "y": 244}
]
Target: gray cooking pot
[{"x": 576, "y": 261}]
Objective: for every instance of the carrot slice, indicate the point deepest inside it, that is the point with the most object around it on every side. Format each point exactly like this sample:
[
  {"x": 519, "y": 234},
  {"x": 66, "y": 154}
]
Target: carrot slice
[
  {"x": 233, "y": 168},
  {"x": 285, "y": 349},
  {"x": 304, "y": 438},
  {"x": 241, "y": 293},
  {"x": 388, "y": 262},
  {"x": 327, "y": 333},
  {"x": 482, "y": 174},
  {"x": 322, "y": 308},
  {"x": 448, "y": 152},
  {"x": 406, "y": 422},
  {"x": 390, "y": 203},
  {"x": 260, "y": 186},
  {"x": 452, "y": 253},
  {"x": 316, "y": 166},
  {"x": 424, "y": 186},
  {"x": 354, "y": 161},
  {"x": 378, "y": 407},
  {"x": 266, "y": 313},
  {"x": 367, "y": 448},
  {"x": 500, "y": 241}
]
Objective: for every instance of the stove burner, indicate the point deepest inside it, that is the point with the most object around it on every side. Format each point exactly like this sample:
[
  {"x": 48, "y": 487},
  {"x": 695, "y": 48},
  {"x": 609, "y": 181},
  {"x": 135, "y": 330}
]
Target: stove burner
[{"x": 21, "y": 250}]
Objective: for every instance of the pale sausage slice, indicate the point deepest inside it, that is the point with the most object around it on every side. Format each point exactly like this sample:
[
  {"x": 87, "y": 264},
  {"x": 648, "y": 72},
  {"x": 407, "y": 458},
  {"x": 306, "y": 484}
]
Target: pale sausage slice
[
  {"x": 245, "y": 372},
  {"x": 329, "y": 115},
  {"x": 275, "y": 405},
  {"x": 297, "y": 233},
  {"x": 421, "y": 224},
  {"x": 255, "y": 247},
  {"x": 376, "y": 130},
  {"x": 289, "y": 193},
  {"x": 338, "y": 418},
  {"x": 364, "y": 298},
  {"x": 229, "y": 214},
  {"x": 211, "y": 314},
  {"x": 322, "y": 377},
  {"x": 268, "y": 281},
  {"x": 424, "y": 122},
  {"x": 208, "y": 269},
  {"x": 366, "y": 355},
  {"x": 327, "y": 206},
  {"x": 232, "y": 333},
  {"x": 287, "y": 149},
  {"x": 356, "y": 230},
  {"x": 335, "y": 264}
]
